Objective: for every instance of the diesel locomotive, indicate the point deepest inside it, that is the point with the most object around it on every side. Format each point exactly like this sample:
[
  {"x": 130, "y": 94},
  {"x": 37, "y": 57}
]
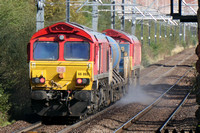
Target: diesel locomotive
[{"x": 75, "y": 71}]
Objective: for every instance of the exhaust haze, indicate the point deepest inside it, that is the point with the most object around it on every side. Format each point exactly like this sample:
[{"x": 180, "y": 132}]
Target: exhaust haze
[{"x": 136, "y": 95}]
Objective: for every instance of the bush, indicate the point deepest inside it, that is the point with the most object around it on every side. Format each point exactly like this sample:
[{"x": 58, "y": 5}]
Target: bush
[
  {"x": 4, "y": 106},
  {"x": 17, "y": 25}
]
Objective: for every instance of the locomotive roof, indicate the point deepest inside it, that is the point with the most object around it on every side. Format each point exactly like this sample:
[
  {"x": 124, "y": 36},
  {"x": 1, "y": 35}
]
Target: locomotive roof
[
  {"x": 121, "y": 35},
  {"x": 67, "y": 28},
  {"x": 81, "y": 26}
]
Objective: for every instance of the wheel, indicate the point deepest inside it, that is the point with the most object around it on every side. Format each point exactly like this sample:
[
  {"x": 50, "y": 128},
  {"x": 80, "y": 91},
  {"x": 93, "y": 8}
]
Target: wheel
[
  {"x": 111, "y": 95},
  {"x": 83, "y": 117},
  {"x": 137, "y": 75}
]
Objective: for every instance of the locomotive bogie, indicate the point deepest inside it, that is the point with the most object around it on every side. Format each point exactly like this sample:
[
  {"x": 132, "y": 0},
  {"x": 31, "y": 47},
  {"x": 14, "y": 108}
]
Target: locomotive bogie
[{"x": 60, "y": 103}]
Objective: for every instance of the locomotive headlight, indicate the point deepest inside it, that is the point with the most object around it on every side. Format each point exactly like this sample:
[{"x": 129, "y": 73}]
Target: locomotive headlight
[
  {"x": 37, "y": 80},
  {"x": 61, "y": 37},
  {"x": 42, "y": 80},
  {"x": 79, "y": 81},
  {"x": 82, "y": 81}
]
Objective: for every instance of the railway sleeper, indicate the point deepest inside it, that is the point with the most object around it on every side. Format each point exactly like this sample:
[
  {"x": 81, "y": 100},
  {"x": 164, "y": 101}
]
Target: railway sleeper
[{"x": 176, "y": 131}]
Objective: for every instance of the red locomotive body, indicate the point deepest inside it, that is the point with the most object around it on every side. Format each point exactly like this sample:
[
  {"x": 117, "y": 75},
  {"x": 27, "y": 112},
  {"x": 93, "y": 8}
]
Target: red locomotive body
[
  {"x": 73, "y": 72},
  {"x": 130, "y": 47},
  {"x": 72, "y": 33}
]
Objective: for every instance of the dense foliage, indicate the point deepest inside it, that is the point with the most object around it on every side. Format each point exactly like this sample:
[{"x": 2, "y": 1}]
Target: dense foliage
[
  {"x": 4, "y": 106},
  {"x": 55, "y": 11},
  {"x": 17, "y": 25}
]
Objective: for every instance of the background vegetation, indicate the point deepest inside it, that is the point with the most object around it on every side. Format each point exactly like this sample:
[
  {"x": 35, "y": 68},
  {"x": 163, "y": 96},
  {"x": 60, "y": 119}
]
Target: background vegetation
[{"x": 17, "y": 25}]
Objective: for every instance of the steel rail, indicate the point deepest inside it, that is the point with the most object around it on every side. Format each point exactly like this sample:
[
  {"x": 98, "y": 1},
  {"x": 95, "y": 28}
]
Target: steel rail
[
  {"x": 87, "y": 120},
  {"x": 174, "y": 112},
  {"x": 138, "y": 115},
  {"x": 76, "y": 125},
  {"x": 171, "y": 69},
  {"x": 80, "y": 123},
  {"x": 31, "y": 127},
  {"x": 167, "y": 71}
]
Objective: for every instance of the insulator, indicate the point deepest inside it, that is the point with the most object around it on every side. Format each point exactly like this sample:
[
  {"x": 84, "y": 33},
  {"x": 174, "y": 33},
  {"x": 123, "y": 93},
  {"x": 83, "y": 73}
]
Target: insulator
[{"x": 40, "y": 4}]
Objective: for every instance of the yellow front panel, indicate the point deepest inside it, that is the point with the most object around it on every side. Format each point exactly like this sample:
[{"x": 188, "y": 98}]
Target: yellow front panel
[
  {"x": 83, "y": 74},
  {"x": 70, "y": 71}
]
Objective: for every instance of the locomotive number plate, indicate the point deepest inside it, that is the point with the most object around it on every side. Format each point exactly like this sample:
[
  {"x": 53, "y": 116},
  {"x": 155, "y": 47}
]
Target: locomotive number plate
[{"x": 61, "y": 69}]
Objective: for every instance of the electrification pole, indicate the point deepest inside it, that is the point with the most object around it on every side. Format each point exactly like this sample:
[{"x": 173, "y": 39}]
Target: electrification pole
[
  {"x": 174, "y": 32},
  {"x": 133, "y": 27},
  {"x": 192, "y": 30},
  {"x": 180, "y": 31},
  {"x": 184, "y": 31},
  {"x": 170, "y": 34},
  {"x": 67, "y": 10},
  {"x": 40, "y": 15},
  {"x": 155, "y": 35},
  {"x": 123, "y": 17},
  {"x": 160, "y": 32},
  {"x": 165, "y": 30},
  {"x": 149, "y": 38},
  {"x": 94, "y": 16},
  {"x": 142, "y": 38},
  {"x": 113, "y": 15}
]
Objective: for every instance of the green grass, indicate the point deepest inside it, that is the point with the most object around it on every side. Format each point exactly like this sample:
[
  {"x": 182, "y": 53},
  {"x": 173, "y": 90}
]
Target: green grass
[{"x": 4, "y": 120}]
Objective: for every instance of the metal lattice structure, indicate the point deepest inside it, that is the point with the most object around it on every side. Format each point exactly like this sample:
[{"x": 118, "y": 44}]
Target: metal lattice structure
[
  {"x": 186, "y": 12},
  {"x": 136, "y": 11}
]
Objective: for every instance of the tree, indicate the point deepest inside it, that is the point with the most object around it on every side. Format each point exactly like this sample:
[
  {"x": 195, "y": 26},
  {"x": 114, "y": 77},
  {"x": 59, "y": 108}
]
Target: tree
[
  {"x": 55, "y": 11},
  {"x": 17, "y": 26}
]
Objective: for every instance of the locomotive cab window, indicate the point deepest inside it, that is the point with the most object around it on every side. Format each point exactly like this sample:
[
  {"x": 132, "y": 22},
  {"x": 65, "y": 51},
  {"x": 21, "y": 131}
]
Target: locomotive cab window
[
  {"x": 126, "y": 48},
  {"x": 45, "y": 50},
  {"x": 77, "y": 51}
]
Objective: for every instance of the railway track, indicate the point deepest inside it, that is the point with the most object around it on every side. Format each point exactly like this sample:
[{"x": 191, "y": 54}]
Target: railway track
[
  {"x": 139, "y": 115},
  {"x": 30, "y": 128},
  {"x": 162, "y": 65},
  {"x": 173, "y": 113},
  {"x": 153, "y": 81},
  {"x": 36, "y": 127},
  {"x": 170, "y": 69},
  {"x": 167, "y": 72},
  {"x": 69, "y": 128}
]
